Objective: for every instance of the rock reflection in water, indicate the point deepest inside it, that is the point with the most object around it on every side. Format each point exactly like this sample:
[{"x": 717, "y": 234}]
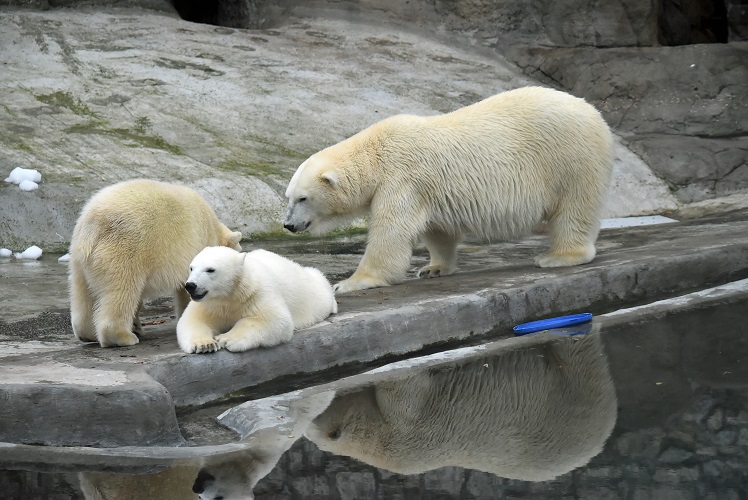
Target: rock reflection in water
[
  {"x": 173, "y": 483},
  {"x": 531, "y": 412},
  {"x": 234, "y": 476}
]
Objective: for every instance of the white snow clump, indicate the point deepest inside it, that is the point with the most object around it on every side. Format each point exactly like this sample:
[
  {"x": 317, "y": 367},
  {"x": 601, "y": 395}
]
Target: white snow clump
[
  {"x": 31, "y": 253},
  {"x": 4, "y": 252},
  {"x": 27, "y": 185},
  {"x": 26, "y": 178},
  {"x": 64, "y": 258}
]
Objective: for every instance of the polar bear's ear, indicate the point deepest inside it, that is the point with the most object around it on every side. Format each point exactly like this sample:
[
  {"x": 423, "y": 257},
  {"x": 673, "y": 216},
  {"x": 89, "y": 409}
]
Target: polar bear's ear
[
  {"x": 330, "y": 178},
  {"x": 234, "y": 238}
]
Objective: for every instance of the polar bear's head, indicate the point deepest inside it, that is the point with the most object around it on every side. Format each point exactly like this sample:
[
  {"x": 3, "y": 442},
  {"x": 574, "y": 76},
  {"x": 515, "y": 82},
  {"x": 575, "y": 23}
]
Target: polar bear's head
[
  {"x": 355, "y": 425},
  {"x": 214, "y": 273},
  {"x": 228, "y": 480},
  {"x": 323, "y": 195}
]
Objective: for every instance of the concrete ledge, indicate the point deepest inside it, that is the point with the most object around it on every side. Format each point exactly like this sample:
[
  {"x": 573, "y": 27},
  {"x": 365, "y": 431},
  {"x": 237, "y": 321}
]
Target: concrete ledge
[{"x": 98, "y": 408}]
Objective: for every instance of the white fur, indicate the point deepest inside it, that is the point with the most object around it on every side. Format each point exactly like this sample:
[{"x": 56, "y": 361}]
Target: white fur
[
  {"x": 493, "y": 170},
  {"x": 530, "y": 414},
  {"x": 134, "y": 240},
  {"x": 247, "y": 300}
]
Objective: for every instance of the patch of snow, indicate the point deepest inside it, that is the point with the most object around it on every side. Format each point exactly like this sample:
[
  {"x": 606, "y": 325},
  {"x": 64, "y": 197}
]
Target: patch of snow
[
  {"x": 18, "y": 175},
  {"x": 4, "y": 252},
  {"x": 27, "y": 185},
  {"x": 64, "y": 258},
  {"x": 31, "y": 253}
]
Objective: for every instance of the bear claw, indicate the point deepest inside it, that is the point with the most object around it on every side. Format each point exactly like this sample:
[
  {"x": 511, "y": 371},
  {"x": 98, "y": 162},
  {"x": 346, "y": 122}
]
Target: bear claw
[
  {"x": 206, "y": 347},
  {"x": 434, "y": 272}
]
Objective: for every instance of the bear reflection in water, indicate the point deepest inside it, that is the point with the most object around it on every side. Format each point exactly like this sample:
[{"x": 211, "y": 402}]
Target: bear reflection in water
[
  {"x": 529, "y": 413},
  {"x": 531, "y": 410}
]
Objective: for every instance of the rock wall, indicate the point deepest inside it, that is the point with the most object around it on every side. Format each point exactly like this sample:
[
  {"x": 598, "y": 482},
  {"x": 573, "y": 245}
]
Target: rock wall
[{"x": 94, "y": 95}]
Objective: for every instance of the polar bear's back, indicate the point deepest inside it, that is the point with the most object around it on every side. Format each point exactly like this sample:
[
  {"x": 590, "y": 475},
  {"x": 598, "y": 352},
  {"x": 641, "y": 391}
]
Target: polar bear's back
[
  {"x": 529, "y": 414},
  {"x": 305, "y": 290},
  {"x": 156, "y": 227},
  {"x": 497, "y": 167}
]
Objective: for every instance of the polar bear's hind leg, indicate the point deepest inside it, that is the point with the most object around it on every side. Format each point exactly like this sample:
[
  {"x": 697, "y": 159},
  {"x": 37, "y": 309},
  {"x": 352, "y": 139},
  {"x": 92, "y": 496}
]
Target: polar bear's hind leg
[
  {"x": 573, "y": 230},
  {"x": 117, "y": 306},
  {"x": 442, "y": 248},
  {"x": 81, "y": 306}
]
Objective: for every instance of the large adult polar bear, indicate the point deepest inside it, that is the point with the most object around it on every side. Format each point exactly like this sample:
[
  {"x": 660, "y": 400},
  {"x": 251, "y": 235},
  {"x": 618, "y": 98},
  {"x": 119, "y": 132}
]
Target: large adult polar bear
[
  {"x": 529, "y": 413},
  {"x": 493, "y": 170},
  {"x": 133, "y": 241},
  {"x": 245, "y": 300}
]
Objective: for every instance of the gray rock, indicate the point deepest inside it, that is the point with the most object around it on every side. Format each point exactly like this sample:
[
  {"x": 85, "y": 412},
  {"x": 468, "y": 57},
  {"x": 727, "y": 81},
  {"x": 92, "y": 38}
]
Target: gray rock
[
  {"x": 740, "y": 419},
  {"x": 663, "y": 493},
  {"x": 675, "y": 456},
  {"x": 355, "y": 484},
  {"x": 637, "y": 445},
  {"x": 483, "y": 486},
  {"x": 743, "y": 438},
  {"x": 676, "y": 475},
  {"x": 598, "y": 493},
  {"x": 687, "y": 119},
  {"x": 447, "y": 480},
  {"x": 714, "y": 468},
  {"x": 699, "y": 411},
  {"x": 715, "y": 421},
  {"x": 725, "y": 437}
]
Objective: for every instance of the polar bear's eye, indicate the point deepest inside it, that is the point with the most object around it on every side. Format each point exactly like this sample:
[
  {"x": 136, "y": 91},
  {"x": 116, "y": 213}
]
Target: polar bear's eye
[
  {"x": 334, "y": 435},
  {"x": 302, "y": 198},
  {"x": 210, "y": 270}
]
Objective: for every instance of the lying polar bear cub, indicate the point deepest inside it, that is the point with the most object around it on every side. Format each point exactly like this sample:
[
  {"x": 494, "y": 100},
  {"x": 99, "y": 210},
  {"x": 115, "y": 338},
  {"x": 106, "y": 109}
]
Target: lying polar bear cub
[{"x": 245, "y": 300}]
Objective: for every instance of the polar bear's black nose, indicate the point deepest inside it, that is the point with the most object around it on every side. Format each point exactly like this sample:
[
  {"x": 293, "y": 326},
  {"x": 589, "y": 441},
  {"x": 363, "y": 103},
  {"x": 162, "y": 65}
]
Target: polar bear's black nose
[
  {"x": 190, "y": 286},
  {"x": 290, "y": 227}
]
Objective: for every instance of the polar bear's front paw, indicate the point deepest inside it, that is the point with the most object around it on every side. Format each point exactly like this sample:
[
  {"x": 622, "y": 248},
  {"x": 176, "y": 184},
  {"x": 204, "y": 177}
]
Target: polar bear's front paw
[
  {"x": 236, "y": 343},
  {"x": 434, "y": 271},
  {"x": 118, "y": 339},
  {"x": 352, "y": 284},
  {"x": 565, "y": 259},
  {"x": 205, "y": 345}
]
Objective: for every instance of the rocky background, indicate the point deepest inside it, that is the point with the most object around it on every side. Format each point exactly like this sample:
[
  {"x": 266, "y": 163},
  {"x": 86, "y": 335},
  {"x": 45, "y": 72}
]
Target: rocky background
[{"x": 231, "y": 96}]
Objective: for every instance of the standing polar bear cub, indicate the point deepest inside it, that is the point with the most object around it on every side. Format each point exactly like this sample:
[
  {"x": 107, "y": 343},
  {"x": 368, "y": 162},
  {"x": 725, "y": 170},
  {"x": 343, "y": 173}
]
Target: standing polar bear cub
[
  {"x": 245, "y": 300},
  {"x": 493, "y": 170},
  {"x": 133, "y": 241}
]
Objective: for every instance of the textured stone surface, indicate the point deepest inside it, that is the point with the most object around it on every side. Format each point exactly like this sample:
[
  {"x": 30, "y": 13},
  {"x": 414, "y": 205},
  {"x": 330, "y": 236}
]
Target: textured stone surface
[
  {"x": 92, "y": 96},
  {"x": 688, "y": 119}
]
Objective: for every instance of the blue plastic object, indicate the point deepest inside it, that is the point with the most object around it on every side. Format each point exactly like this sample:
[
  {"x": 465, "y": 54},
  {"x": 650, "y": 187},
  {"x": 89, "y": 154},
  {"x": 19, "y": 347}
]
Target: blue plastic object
[{"x": 547, "y": 324}]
